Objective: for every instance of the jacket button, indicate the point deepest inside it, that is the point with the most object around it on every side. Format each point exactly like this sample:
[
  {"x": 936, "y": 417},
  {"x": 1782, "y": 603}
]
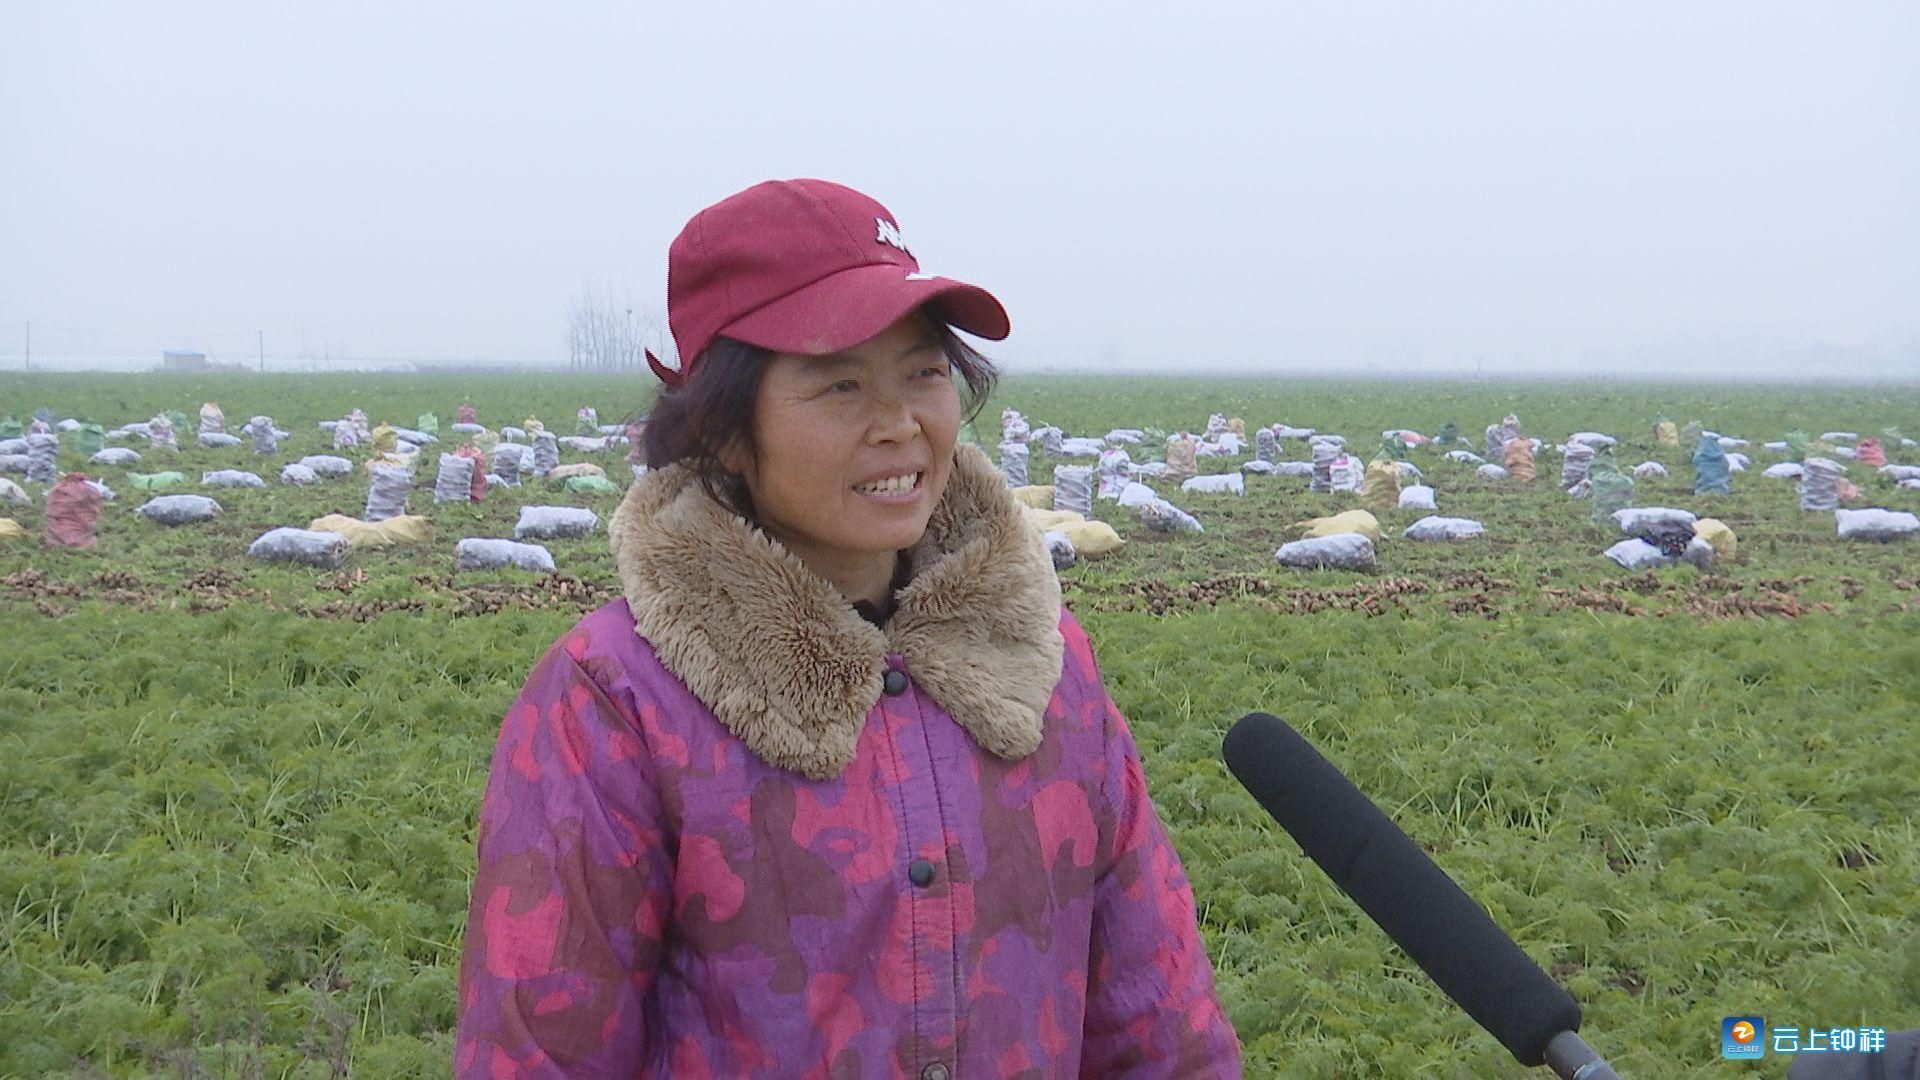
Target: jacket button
[
  {"x": 920, "y": 872},
  {"x": 894, "y": 682},
  {"x": 935, "y": 1071}
]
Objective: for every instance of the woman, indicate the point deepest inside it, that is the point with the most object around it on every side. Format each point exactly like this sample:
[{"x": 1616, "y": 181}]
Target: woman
[{"x": 835, "y": 790}]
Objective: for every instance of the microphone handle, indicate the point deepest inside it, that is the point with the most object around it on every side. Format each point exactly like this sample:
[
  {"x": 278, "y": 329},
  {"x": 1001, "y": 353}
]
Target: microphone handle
[{"x": 1570, "y": 1058}]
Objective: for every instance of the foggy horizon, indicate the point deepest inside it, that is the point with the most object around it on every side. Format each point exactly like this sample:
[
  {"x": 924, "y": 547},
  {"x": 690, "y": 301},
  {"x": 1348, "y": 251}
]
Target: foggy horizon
[{"x": 1725, "y": 188}]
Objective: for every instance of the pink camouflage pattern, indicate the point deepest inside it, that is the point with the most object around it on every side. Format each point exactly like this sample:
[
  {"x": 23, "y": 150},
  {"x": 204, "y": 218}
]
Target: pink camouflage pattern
[{"x": 653, "y": 900}]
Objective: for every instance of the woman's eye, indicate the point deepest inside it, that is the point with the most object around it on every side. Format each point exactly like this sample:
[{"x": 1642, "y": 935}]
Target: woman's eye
[
  {"x": 940, "y": 371},
  {"x": 844, "y": 386}
]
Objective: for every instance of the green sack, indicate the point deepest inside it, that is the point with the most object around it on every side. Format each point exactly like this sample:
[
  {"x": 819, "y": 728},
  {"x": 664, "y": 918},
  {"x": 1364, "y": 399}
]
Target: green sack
[
  {"x": 157, "y": 481},
  {"x": 89, "y": 439},
  {"x": 1449, "y": 434},
  {"x": 427, "y": 423},
  {"x": 1797, "y": 442},
  {"x": 181, "y": 425},
  {"x": 11, "y": 428},
  {"x": 1612, "y": 488},
  {"x": 595, "y": 485}
]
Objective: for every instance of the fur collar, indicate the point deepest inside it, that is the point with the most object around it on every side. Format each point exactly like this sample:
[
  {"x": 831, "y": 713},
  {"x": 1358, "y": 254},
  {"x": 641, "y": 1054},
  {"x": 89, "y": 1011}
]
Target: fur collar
[{"x": 790, "y": 668}]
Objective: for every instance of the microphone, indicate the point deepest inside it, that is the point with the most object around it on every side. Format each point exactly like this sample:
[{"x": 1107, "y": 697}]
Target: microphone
[{"x": 1415, "y": 902}]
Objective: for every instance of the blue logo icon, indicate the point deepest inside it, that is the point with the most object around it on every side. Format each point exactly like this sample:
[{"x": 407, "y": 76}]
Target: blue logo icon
[{"x": 1743, "y": 1038}]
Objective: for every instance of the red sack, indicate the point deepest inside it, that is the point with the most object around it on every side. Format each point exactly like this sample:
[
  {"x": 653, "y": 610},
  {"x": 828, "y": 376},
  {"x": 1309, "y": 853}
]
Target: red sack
[
  {"x": 468, "y": 415},
  {"x": 73, "y": 513},
  {"x": 473, "y": 454},
  {"x": 1871, "y": 453}
]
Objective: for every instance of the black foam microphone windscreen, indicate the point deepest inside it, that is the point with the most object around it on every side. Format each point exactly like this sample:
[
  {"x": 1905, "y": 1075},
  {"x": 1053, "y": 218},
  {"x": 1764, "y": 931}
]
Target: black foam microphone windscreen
[{"x": 1400, "y": 888}]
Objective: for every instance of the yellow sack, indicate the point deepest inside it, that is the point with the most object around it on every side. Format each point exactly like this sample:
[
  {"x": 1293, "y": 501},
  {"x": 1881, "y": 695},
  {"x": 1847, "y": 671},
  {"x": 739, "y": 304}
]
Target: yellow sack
[
  {"x": 1667, "y": 433},
  {"x": 567, "y": 472},
  {"x": 389, "y": 460},
  {"x": 1350, "y": 521},
  {"x": 1237, "y": 426},
  {"x": 1044, "y": 519},
  {"x": 385, "y": 439},
  {"x": 1038, "y": 496},
  {"x": 407, "y": 529},
  {"x": 1518, "y": 459},
  {"x": 1715, "y": 532},
  {"x": 1382, "y": 490},
  {"x": 1091, "y": 539},
  {"x": 11, "y": 530},
  {"x": 1182, "y": 459},
  {"x": 532, "y": 426}
]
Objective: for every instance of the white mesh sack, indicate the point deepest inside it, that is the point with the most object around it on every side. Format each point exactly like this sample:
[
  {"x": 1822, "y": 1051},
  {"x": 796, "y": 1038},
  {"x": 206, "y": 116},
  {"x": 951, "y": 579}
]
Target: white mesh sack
[
  {"x": 1343, "y": 551},
  {"x": 1636, "y": 519},
  {"x": 546, "y": 453},
  {"x": 508, "y": 460},
  {"x": 476, "y": 553},
  {"x": 231, "y": 478},
  {"x": 326, "y": 550},
  {"x": 43, "y": 452},
  {"x": 1433, "y": 528},
  {"x": 1162, "y": 516},
  {"x": 298, "y": 475},
  {"x": 1324, "y": 455},
  {"x": 115, "y": 455},
  {"x": 1491, "y": 472},
  {"x": 1231, "y": 483},
  {"x": 1013, "y": 462},
  {"x": 454, "y": 482},
  {"x": 1417, "y": 497},
  {"x": 1266, "y": 448},
  {"x": 1573, "y": 470},
  {"x": 554, "y": 522},
  {"x": 1116, "y": 472},
  {"x": 266, "y": 439},
  {"x": 1876, "y": 524},
  {"x": 1820, "y": 485},
  {"x": 327, "y": 465},
  {"x": 387, "y": 488},
  {"x": 1060, "y": 549},
  {"x": 178, "y": 509},
  {"x": 1073, "y": 489}
]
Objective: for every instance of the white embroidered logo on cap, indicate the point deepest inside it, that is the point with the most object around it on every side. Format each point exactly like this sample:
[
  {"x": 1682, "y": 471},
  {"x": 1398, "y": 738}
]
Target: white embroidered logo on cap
[
  {"x": 890, "y": 234},
  {"x": 915, "y": 275}
]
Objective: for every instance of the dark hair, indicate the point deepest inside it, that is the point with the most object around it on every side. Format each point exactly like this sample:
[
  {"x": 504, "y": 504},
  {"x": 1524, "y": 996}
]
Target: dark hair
[{"x": 692, "y": 422}]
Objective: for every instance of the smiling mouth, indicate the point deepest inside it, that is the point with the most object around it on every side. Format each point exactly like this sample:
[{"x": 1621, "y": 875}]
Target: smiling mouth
[{"x": 904, "y": 486}]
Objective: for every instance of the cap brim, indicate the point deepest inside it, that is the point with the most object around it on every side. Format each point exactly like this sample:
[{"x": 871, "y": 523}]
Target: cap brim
[{"x": 841, "y": 311}]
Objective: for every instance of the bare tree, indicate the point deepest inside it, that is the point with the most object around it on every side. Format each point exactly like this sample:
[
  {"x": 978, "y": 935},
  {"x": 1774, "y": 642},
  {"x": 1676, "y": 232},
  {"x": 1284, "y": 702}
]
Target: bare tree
[{"x": 606, "y": 332}]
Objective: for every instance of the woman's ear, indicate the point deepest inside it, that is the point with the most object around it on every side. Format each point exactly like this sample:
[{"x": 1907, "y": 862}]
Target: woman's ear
[{"x": 737, "y": 458}]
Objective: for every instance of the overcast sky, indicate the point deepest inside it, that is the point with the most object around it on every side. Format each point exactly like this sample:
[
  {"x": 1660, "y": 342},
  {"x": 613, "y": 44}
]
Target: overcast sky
[{"x": 1351, "y": 184}]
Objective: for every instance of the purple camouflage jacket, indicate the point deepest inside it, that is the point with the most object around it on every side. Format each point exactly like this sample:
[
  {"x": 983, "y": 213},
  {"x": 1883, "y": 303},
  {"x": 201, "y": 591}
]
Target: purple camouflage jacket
[{"x": 733, "y": 829}]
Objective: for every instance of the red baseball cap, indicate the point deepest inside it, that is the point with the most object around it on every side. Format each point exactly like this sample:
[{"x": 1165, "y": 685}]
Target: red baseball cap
[{"x": 802, "y": 266}]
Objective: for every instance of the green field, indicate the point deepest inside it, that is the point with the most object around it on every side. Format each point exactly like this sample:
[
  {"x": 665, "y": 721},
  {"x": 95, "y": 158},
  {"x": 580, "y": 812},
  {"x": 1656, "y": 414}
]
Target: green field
[{"x": 237, "y": 800}]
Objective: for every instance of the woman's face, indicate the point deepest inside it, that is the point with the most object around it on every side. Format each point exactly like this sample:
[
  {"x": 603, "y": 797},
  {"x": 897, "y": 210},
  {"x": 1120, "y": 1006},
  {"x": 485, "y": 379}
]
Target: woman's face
[{"x": 854, "y": 449}]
